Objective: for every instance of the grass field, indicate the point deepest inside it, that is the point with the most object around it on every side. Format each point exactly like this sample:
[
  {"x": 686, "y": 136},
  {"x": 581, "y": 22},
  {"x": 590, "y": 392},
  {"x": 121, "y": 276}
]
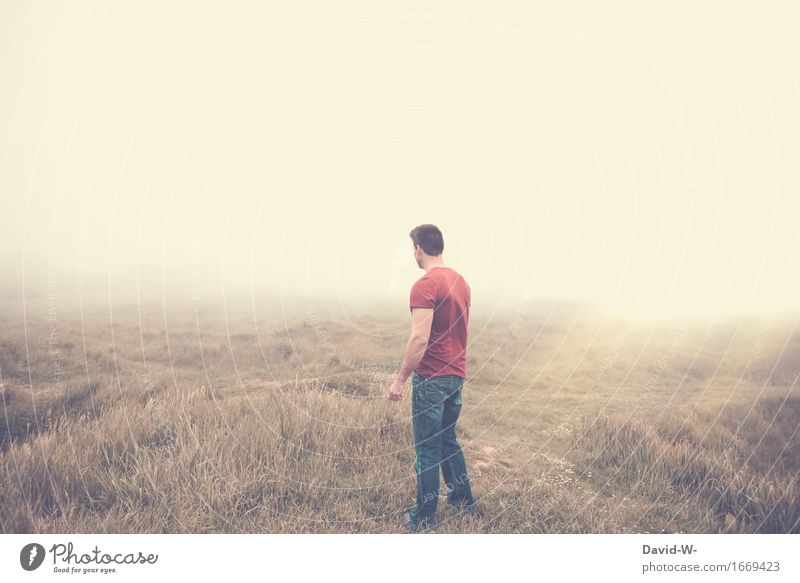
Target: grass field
[{"x": 274, "y": 418}]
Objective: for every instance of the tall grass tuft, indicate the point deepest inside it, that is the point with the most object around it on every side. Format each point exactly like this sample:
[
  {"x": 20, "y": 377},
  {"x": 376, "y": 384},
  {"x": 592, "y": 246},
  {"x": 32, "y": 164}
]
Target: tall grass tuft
[{"x": 742, "y": 465}]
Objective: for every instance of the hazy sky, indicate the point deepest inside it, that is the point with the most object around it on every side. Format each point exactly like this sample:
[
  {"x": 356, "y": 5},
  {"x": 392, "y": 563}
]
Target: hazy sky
[{"x": 640, "y": 155}]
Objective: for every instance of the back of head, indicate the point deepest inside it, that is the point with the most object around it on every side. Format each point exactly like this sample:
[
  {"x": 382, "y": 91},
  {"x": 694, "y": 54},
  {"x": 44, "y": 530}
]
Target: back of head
[{"x": 429, "y": 237}]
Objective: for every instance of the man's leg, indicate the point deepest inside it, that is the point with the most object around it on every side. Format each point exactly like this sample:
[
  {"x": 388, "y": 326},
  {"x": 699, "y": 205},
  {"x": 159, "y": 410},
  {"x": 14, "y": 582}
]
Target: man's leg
[
  {"x": 454, "y": 467},
  {"x": 427, "y": 401}
]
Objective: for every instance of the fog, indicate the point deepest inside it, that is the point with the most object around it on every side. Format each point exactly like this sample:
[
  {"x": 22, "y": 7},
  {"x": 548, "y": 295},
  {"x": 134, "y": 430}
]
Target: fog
[{"x": 214, "y": 150}]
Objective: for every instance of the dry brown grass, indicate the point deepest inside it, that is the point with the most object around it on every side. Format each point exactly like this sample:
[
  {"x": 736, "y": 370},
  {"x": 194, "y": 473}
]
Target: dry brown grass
[
  {"x": 739, "y": 470},
  {"x": 195, "y": 424}
]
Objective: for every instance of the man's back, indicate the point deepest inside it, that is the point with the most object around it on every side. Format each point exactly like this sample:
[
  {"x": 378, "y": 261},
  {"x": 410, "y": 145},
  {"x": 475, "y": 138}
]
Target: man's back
[{"x": 445, "y": 291}]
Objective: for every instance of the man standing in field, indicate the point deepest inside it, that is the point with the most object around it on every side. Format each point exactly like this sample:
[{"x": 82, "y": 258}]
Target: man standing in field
[{"x": 436, "y": 353}]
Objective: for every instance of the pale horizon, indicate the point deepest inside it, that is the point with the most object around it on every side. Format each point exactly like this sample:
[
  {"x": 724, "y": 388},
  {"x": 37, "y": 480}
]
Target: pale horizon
[{"x": 230, "y": 150}]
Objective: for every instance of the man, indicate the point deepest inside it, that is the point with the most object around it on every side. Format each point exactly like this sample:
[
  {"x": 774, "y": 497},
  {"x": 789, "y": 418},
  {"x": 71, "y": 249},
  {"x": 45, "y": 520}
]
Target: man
[{"x": 436, "y": 353}]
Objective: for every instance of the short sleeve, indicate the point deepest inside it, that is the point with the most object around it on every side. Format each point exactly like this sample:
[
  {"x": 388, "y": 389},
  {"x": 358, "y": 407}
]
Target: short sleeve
[{"x": 423, "y": 294}]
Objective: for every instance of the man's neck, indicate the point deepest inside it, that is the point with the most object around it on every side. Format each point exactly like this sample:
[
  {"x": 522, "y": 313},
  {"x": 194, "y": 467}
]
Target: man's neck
[{"x": 433, "y": 265}]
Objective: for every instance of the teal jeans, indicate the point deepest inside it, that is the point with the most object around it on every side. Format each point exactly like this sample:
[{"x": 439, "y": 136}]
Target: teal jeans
[{"x": 435, "y": 406}]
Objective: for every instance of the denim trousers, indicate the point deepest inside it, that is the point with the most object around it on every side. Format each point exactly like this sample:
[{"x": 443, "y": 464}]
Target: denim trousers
[{"x": 435, "y": 406}]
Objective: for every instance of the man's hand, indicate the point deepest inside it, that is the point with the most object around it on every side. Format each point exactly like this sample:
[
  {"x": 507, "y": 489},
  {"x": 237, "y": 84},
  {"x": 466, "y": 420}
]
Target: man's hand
[{"x": 396, "y": 391}]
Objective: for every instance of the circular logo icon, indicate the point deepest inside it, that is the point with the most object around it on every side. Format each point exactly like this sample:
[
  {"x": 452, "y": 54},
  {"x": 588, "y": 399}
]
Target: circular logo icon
[{"x": 31, "y": 556}]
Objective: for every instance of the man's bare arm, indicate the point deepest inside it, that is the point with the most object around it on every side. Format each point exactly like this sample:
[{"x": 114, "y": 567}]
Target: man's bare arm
[{"x": 421, "y": 320}]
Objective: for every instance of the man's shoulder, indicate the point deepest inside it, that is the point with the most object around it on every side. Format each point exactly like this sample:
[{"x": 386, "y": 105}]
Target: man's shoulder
[
  {"x": 457, "y": 276},
  {"x": 425, "y": 285},
  {"x": 436, "y": 277},
  {"x": 426, "y": 277}
]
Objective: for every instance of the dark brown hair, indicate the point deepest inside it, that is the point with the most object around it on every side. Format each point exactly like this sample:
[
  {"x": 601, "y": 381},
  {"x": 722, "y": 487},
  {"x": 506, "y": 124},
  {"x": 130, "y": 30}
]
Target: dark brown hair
[{"x": 429, "y": 237}]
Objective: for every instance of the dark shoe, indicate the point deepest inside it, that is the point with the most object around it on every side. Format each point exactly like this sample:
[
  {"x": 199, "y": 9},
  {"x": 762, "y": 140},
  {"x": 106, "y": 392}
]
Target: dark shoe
[
  {"x": 407, "y": 520},
  {"x": 468, "y": 507},
  {"x": 412, "y": 524}
]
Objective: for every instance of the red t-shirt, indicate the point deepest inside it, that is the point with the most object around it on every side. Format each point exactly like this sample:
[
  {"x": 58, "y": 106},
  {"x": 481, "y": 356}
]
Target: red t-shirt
[{"x": 444, "y": 290}]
